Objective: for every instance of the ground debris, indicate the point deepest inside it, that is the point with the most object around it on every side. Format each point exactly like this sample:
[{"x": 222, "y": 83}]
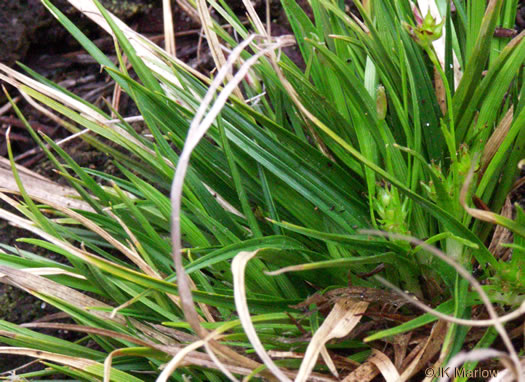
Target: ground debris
[{"x": 382, "y": 297}]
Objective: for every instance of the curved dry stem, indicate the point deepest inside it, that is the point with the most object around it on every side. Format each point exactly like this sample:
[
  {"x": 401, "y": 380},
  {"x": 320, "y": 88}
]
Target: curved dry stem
[
  {"x": 198, "y": 129},
  {"x": 172, "y": 365},
  {"x": 13, "y": 372},
  {"x": 507, "y": 375},
  {"x": 460, "y": 321},
  {"x": 108, "y": 363},
  {"x": 239, "y": 293},
  {"x": 218, "y": 362},
  {"x": 179, "y": 358},
  {"x": 385, "y": 365},
  {"x": 195, "y": 134},
  {"x": 475, "y": 284}
]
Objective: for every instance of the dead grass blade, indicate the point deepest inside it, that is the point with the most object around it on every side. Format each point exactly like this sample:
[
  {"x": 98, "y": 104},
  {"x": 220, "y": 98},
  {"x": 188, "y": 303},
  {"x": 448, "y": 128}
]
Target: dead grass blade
[
  {"x": 198, "y": 129},
  {"x": 152, "y": 55},
  {"x": 34, "y": 284},
  {"x": 345, "y": 315},
  {"x": 432, "y": 346},
  {"x": 329, "y": 361},
  {"x": 195, "y": 134},
  {"x": 487, "y": 216},
  {"x": 191, "y": 358},
  {"x": 507, "y": 375},
  {"x": 4, "y": 109},
  {"x": 501, "y": 234},
  {"x": 194, "y": 358},
  {"x": 96, "y": 331},
  {"x": 20, "y": 81},
  {"x": 16, "y": 79},
  {"x": 179, "y": 352},
  {"x": 497, "y": 137},
  {"x": 385, "y": 366},
  {"x": 37, "y": 186},
  {"x": 239, "y": 290},
  {"x": 400, "y": 348},
  {"x": 460, "y": 321},
  {"x": 76, "y": 362},
  {"x": 178, "y": 360},
  {"x": 366, "y": 372},
  {"x": 213, "y": 41},
  {"x": 189, "y": 9},
  {"x": 49, "y": 271},
  {"x": 108, "y": 363},
  {"x": 169, "y": 30},
  {"x": 252, "y": 13},
  {"x": 130, "y": 252},
  {"x": 170, "y": 367}
]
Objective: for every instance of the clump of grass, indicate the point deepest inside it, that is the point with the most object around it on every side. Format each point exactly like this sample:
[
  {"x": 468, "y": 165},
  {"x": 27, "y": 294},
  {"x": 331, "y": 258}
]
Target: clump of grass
[{"x": 397, "y": 124}]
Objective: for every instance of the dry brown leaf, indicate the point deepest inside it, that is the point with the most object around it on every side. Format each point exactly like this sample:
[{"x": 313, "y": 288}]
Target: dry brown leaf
[
  {"x": 36, "y": 284},
  {"x": 430, "y": 349},
  {"x": 400, "y": 348},
  {"x": 49, "y": 271},
  {"x": 239, "y": 290},
  {"x": 385, "y": 366},
  {"x": 364, "y": 373},
  {"x": 501, "y": 234},
  {"x": 213, "y": 41},
  {"x": 497, "y": 137},
  {"x": 329, "y": 361},
  {"x": 169, "y": 30},
  {"x": 77, "y": 363},
  {"x": 345, "y": 315},
  {"x": 37, "y": 186}
]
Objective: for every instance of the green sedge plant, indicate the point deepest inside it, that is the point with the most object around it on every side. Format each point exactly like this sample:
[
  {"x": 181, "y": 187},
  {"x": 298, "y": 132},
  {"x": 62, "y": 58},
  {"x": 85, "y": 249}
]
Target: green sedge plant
[{"x": 399, "y": 121}]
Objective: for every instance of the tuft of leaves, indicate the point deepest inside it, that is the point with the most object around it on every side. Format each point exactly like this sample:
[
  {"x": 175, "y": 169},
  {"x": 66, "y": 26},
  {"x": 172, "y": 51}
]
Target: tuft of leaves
[{"x": 395, "y": 122}]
